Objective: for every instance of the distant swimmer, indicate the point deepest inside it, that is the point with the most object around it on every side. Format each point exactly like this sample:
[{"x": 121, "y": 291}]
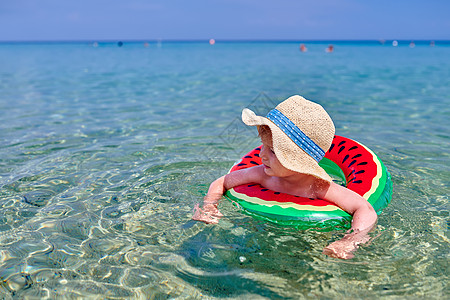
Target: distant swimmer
[
  {"x": 412, "y": 45},
  {"x": 329, "y": 49},
  {"x": 303, "y": 48}
]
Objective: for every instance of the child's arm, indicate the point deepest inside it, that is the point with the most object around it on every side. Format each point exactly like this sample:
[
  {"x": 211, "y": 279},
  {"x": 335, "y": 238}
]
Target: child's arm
[
  {"x": 364, "y": 219},
  {"x": 209, "y": 213}
]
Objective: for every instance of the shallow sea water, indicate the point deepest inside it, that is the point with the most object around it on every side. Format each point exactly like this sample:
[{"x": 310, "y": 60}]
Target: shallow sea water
[{"x": 104, "y": 151}]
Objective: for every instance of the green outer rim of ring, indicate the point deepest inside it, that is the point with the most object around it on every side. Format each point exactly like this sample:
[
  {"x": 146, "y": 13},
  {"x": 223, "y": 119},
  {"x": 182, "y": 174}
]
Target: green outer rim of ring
[
  {"x": 319, "y": 221},
  {"x": 382, "y": 196}
]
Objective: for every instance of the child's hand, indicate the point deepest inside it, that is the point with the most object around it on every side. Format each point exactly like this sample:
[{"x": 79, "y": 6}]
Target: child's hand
[
  {"x": 340, "y": 249},
  {"x": 208, "y": 214},
  {"x": 344, "y": 248}
]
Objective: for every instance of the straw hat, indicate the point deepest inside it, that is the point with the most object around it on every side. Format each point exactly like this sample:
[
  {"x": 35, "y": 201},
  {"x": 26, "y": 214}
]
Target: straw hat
[{"x": 302, "y": 131}]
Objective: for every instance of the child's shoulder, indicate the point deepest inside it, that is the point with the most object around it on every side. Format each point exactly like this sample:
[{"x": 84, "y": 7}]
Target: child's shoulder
[
  {"x": 343, "y": 197},
  {"x": 254, "y": 174}
]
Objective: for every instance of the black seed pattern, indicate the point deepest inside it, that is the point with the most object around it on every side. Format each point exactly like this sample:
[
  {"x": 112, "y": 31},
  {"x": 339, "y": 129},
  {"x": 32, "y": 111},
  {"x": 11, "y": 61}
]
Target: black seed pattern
[
  {"x": 254, "y": 162},
  {"x": 264, "y": 190},
  {"x": 241, "y": 164},
  {"x": 248, "y": 156},
  {"x": 345, "y": 158},
  {"x": 331, "y": 147},
  {"x": 353, "y": 173},
  {"x": 353, "y": 161},
  {"x": 276, "y": 193}
]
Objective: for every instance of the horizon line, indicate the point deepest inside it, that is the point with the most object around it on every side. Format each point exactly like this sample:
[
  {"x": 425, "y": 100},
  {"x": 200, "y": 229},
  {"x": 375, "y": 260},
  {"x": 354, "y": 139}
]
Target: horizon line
[{"x": 159, "y": 40}]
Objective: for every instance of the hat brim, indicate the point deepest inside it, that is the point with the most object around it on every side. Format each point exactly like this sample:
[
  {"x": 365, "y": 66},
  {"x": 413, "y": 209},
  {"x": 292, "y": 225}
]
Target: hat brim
[{"x": 290, "y": 155}]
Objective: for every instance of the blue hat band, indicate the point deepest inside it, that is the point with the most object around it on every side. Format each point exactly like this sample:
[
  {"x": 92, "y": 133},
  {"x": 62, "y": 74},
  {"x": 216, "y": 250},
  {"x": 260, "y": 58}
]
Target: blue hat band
[{"x": 295, "y": 134}]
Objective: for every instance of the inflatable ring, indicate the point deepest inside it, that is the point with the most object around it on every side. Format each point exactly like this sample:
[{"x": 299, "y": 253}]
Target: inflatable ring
[{"x": 348, "y": 162}]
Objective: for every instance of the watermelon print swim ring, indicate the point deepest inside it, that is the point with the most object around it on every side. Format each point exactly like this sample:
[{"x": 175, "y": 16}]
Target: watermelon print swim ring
[{"x": 347, "y": 162}]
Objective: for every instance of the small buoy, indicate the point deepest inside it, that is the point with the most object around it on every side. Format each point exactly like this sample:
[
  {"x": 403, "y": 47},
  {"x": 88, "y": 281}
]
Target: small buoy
[
  {"x": 394, "y": 43},
  {"x": 303, "y": 48},
  {"x": 212, "y": 41}
]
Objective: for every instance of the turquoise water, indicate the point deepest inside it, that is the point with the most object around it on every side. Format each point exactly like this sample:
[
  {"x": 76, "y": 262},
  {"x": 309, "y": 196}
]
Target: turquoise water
[{"x": 104, "y": 151}]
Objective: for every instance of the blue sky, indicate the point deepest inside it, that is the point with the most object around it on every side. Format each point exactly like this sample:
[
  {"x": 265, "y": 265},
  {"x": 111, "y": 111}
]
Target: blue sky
[{"x": 31, "y": 20}]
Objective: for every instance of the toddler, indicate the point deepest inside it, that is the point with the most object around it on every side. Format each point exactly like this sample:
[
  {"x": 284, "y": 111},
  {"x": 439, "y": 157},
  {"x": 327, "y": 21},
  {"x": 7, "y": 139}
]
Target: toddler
[{"x": 295, "y": 136}]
